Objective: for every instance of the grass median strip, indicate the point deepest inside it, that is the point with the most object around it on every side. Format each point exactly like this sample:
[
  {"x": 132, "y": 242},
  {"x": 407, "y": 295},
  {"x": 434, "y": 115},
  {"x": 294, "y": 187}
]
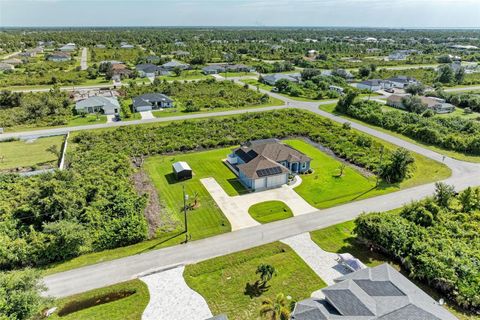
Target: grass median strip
[{"x": 270, "y": 211}]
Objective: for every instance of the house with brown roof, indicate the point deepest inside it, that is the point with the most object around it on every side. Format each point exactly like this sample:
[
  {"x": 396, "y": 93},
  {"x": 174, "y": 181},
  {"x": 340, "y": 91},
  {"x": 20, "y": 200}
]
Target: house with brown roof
[
  {"x": 438, "y": 105},
  {"x": 267, "y": 163}
]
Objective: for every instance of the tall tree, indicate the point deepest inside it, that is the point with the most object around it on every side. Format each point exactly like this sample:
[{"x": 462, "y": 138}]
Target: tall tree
[{"x": 277, "y": 309}]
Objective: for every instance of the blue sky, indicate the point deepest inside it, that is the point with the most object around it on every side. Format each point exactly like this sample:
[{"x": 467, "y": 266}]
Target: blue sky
[{"x": 368, "y": 13}]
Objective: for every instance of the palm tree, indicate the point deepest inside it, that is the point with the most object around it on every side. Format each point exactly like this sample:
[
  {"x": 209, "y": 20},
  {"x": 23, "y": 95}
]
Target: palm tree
[
  {"x": 266, "y": 272},
  {"x": 275, "y": 309}
]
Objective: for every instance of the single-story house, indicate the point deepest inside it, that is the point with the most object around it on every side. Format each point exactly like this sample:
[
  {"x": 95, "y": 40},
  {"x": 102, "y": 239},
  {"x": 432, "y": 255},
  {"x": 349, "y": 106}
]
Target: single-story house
[
  {"x": 59, "y": 57},
  {"x": 100, "y": 46},
  {"x": 436, "y": 104},
  {"x": 127, "y": 46},
  {"x": 380, "y": 292},
  {"x": 182, "y": 170},
  {"x": 347, "y": 75},
  {"x": 147, "y": 69},
  {"x": 175, "y": 64},
  {"x": 68, "y": 47},
  {"x": 218, "y": 68},
  {"x": 105, "y": 105},
  {"x": 398, "y": 56},
  {"x": 6, "y": 66},
  {"x": 32, "y": 52},
  {"x": 181, "y": 53},
  {"x": 120, "y": 71},
  {"x": 267, "y": 163},
  {"x": 13, "y": 61},
  {"x": 374, "y": 84},
  {"x": 271, "y": 79},
  {"x": 401, "y": 82},
  {"x": 396, "y": 101},
  {"x": 151, "y": 101},
  {"x": 336, "y": 89}
]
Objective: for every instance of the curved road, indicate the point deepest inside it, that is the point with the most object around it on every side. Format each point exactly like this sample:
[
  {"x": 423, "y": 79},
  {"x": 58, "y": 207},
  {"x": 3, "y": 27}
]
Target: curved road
[{"x": 464, "y": 174}]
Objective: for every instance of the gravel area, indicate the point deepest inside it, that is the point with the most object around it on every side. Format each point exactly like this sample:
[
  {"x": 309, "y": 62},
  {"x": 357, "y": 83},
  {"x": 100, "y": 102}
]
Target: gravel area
[
  {"x": 172, "y": 299},
  {"x": 323, "y": 263}
]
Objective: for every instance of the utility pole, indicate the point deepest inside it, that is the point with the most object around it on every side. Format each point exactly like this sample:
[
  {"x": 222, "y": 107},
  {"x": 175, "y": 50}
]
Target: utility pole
[{"x": 185, "y": 198}]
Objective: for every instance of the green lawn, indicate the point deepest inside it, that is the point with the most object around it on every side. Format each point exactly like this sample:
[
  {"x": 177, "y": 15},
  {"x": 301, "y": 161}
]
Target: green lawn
[
  {"x": 28, "y": 154},
  {"x": 269, "y": 211},
  {"x": 186, "y": 75},
  {"x": 453, "y": 154},
  {"x": 172, "y": 112},
  {"x": 236, "y": 74},
  {"x": 74, "y": 121},
  {"x": 340, "y": 238},
  {"x": 324, "y": 188},
  {"x": 254, "y": 83},
  {"x": 229, "y": 286},
  {"x": 130, "y": 307}
]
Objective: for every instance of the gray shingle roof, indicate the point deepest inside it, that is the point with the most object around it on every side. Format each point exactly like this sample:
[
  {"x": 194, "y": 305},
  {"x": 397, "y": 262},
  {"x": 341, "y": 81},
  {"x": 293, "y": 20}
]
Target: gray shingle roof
[
  {"x": 150, "y": 98},
  {"x": 104, "y": 102},
  {"x": 381, "y": 290}
]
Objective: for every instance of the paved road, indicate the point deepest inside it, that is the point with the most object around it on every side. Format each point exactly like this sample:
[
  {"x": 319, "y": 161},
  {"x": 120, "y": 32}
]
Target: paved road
[
  {"x": 103, "y": 274},
  {"x": 468, "y": 88},
  {"x": 83, "y": 60}
]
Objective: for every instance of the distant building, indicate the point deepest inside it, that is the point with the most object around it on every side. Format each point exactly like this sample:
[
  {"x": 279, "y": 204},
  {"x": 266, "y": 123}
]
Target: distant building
[
  {"x": 59, "y": 57},
  {"x": 127, "y": 46},
  {"x": 108, "y": 106},
  {"x": 13, "y": 61},
  {"x": 6, "y": 66},
  {"x": 69, "y": 47},
  {"x": 372, "y": 293},
  {"x": 401, "y": 82},
  {"x": 437, "y": 105},
  {"x": 336, "y": 89},
  {"x": 175, "y": 64},
  {"x": 272, "y": 79},
  {"x": 312, "y": 53},
  {"x": 374, "y": 85},
  {"x": 181, "y": 53},
  {"x": 147, "y": 69},
  {"x": 219, "y": 68},
  {"x": 32, "y": 52},
  {"x": 151, "y": 101},
  {"x": 100, "y": 46}
]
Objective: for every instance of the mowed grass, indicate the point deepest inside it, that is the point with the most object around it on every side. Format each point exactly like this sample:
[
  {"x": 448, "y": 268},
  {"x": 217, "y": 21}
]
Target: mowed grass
[
  {"x": 129, "y": 308},
  {"x": 228, "y": 283},
  {"x": 268, "y": 211},
  {"x": 73, "y": 122},
  {"x": 27, "y": 154},
  {"x": 325, "y": 188},
  {"x": 341, "y": 238},
  {"x": 453, "y": 154}
]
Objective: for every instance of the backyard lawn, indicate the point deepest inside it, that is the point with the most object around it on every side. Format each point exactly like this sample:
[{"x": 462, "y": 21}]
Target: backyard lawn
[
  {"x": 325, "y": 188},
  {"x": 269, "y": 211},
  {"x": 126, "y": 300},
  {"x": 29, "y": 154},
  {"x": 229, "y": 283}
]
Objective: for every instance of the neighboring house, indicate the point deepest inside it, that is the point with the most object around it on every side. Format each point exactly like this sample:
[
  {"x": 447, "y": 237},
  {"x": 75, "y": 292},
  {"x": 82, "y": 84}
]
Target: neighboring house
[
  {"x": 398, "y": 56},
  {"x": 271, "y": 79},
  {"x": 175, "y": 64},
  {"x": 312, "y": 53},
  {"x": 100, "y": 46},
  {"x": 151, "y": 101},
  {"x": 436, "y": 104},
  {"x": 374, "y": 84},
  {"x": 32, "y": 52},
  {"x": 120, "y": 71},
  {"x": 336, "y": 89},
  {"x": 6, "y": 66},
  {"x": 182, "y": 170},
  {"x": 181, "y": 53},
  {"x": 69, "y": 47},
  {"x": 127, "y": 46},
  {"x": 147, "y": 70},
  {"x": 380, "y": 293},
  {"x": 401, "y": 82},
  {"x": 108, "y": 106},
  {"x": 219, "y": 68},
  {"x": 264, "y": 164},
  {"x": 59, "y": 57},
  {"x": 347, "y": 75}
]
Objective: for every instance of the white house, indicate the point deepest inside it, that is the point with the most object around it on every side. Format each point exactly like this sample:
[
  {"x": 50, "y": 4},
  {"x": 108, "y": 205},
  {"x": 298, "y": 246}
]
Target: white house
[
  {"x": 374, "y": 84},
  {"x": 401, "y": 82}
]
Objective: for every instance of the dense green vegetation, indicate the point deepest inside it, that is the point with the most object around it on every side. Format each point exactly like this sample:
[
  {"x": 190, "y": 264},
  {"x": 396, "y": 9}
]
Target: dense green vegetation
[
  {"x": 203, "y": 95},
  {"x": 450, "y": 133},
  {"x": 436, "y": 240},
  {"x": 265, "y": 212},
  {"x": 34, "y": 154},
  {"x": 125, "y": 300},
  {"x": 94, "y": 206},
  {"x": 230, "y": 283}
]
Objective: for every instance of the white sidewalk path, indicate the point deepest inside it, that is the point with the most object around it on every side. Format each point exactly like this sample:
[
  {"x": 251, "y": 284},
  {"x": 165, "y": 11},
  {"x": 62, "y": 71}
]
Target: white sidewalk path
[
  {"x": 236, "y": 208},
  {"x": 323, "y": 263},
  {"x": 172, "y": 299}
]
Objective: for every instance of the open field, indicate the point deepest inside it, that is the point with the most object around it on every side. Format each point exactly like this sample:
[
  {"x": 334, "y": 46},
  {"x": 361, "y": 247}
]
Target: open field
[
  {"x": 269, "y": 211},
  {"x": 101, "y": 303},
  {"x": 453, "y": 154},
  {"x": 340, "y": 238},
  {"x": 324, "y": 188},
  {"x": 254, "y": 83},
  {"x": 74, "y": 121},
  {"x": 29, "y": 154},
  {"x": 230, "y": 285}
]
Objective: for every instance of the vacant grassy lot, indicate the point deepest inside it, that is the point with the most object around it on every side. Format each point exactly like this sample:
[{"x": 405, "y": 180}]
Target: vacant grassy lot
[
  {"x": 186, "y": 75},
  {"x": 325, "y": 188},
  {"x": 254, "y": 83},
  {"x": 453, "y": 154},
  {"x": 269, "y": 211},
  {"x": 101, "y": 303},
  {"x": 340, "y": 238},
  {"x": 74, "y": 121},
  {"x": 230, "y": 285},
  {"x": 29, "y": 154}
]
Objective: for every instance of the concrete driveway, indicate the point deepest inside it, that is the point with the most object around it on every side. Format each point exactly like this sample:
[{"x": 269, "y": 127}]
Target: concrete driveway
[
  {"x": 236, "y": 208},
  {"x": 147, "y": 115},
  {"x": 171, "y": 298},
  {"x": 110, "y": 118}
]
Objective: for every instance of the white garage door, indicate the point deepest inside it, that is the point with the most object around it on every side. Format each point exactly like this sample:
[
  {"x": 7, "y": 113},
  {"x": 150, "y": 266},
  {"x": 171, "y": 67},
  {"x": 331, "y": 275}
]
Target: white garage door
[
  {"x": 259, "y": 183},
  {"x": 144, "y": 108},
  {"x": 276, "y": 181}
]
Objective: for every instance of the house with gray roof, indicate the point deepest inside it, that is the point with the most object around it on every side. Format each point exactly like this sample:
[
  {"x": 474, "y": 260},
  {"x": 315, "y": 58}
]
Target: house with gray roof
[
  {"x": 267, "y": 163},
  {"x": 374, "y": 84},
  {"x": 175, "y": 64},
  {"x": 402, "y": 82},
  {"x": 69, "y": 47},
  {"x": 6, "y": 67},
  {"x": 105, "y": 105},
  {"x": 151, "y": 101},
  {"x": 147, "y": 69},
  {"x": 380, "y": 293},
  {"x": 272, "y": 79},
  {"x": 59, "y": 57},
  {"x": 219, "y": 68}
]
